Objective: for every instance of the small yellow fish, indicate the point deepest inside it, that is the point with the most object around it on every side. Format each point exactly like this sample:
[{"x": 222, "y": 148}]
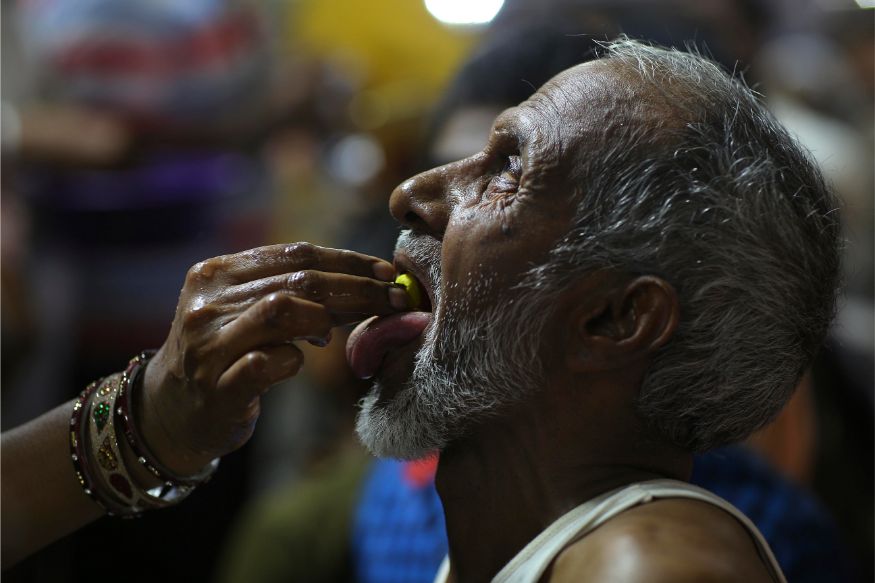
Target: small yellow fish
[{"x": 413, "y": 289}]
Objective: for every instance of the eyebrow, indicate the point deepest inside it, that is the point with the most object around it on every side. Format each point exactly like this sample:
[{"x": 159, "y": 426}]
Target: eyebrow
[{"x": 506, "y": 132}]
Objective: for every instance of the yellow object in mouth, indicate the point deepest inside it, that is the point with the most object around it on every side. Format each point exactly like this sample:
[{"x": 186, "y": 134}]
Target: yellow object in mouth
[{"x": 413, "y": 289}]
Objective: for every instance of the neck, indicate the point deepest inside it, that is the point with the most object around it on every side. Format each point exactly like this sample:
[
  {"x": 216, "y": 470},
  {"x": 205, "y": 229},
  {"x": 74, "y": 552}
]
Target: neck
[{"x": 507, "y": 481}]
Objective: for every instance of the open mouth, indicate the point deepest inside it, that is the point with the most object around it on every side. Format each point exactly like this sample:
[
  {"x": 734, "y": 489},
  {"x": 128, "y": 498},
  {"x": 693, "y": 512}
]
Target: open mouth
[
  {"x": 418, "y": 298},
  {"x": 404, "y": 266},
  {"x": 374, "y": 339}
]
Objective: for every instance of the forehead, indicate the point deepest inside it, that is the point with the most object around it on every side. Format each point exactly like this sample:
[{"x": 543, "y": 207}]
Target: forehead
[
  {"x": 580, "y": 102},
  {"x": 581, "y": 87}
]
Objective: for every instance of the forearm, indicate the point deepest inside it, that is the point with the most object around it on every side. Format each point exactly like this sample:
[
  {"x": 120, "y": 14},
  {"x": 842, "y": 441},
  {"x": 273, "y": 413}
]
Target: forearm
[
  {"x": 41, "y": 494},
  {"x": 41, "y": 499}
]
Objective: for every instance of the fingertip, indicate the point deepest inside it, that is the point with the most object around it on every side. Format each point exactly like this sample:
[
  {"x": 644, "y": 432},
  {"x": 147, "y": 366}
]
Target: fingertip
[
  {"x": 384, "y": 271},
  {"x": 398, "y": 298},
  {"x": 292, "y": 365}
]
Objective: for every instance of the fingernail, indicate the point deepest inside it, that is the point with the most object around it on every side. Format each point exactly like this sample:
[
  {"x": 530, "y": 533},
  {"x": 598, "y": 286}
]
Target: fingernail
[
  {"x": 397, "y": 298},
  {"x": 384, "y": 271}
]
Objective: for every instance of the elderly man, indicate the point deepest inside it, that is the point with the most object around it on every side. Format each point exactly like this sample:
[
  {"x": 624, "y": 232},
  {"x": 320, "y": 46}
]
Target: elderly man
[{"x": 638, "y": 265}]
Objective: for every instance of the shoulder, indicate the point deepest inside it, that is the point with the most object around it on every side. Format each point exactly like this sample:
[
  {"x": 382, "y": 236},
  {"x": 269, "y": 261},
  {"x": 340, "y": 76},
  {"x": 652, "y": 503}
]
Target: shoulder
[{"x": 675, "y": 540}]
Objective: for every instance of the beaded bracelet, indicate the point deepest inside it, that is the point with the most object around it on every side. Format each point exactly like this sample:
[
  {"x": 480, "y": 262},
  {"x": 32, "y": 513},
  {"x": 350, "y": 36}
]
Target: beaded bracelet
[
  {"x": 123, "y": 412},
  {"x": 107, "y": 405},
  {"x": 110, "y": 461},
  {"x": 79, "y": 455}
]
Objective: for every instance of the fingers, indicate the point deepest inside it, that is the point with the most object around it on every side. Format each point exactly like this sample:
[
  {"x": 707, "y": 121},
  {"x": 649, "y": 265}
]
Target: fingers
[
  {"x": 276, "y": 319},
  {"x": 278, "y": 259},
  {"x": 255, "y": 372},
  {"x": 340, "y": 293}
]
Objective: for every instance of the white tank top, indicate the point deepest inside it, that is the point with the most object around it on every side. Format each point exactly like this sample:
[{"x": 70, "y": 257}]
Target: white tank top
[{"x": 532, "y": 561}]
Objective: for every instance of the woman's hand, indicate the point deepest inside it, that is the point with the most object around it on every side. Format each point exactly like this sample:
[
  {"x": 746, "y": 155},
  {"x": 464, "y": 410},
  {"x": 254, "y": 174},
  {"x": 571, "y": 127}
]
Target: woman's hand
[{"x": 232, "y": 338}]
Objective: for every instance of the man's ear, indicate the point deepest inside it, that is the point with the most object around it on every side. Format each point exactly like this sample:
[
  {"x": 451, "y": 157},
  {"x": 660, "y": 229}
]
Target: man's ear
[{"x": 625, "y": 323}]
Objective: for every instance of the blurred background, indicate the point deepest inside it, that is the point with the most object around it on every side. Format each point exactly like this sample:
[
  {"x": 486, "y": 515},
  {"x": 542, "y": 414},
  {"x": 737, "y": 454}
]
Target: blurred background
[{"x": 140, "y": 137}]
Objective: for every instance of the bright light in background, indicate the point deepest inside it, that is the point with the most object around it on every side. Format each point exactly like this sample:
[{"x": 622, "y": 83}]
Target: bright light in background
[
  {"x": 866, "y": 3},
  {"x": 356, "y": 159},
  {"x": 464, "y": 11}
]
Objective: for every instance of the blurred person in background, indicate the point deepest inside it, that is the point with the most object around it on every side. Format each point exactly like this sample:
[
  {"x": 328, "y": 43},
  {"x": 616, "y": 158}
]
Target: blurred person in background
[{"x": 817, "y": 75}]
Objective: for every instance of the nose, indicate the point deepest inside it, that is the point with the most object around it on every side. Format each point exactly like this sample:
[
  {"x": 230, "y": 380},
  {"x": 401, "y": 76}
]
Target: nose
[{"x": 420, "y": 203}]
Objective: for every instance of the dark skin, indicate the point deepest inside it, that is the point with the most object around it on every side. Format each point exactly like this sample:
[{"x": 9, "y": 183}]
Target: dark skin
[
  {"x": 232, "y": 338},
  {"x": 512, "y": 475}
]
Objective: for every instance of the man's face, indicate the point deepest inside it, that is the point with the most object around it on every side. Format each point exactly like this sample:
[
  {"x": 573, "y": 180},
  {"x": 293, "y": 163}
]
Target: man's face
[{"x": 475, "y": 228}]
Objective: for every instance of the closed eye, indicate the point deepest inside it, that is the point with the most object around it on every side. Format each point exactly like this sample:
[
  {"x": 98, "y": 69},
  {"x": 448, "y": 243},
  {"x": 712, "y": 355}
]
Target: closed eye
[{"x": 508, "y": 180}]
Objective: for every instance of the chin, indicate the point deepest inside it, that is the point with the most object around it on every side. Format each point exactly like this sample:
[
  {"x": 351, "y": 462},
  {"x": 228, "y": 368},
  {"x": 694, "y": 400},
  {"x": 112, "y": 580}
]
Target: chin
[
  {"x": 462, "y": 373},
  {"x": 398, "y": 427}
]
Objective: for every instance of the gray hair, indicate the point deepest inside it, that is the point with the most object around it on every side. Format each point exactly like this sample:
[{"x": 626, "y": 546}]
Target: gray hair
[{"x": 723, "y": 204}]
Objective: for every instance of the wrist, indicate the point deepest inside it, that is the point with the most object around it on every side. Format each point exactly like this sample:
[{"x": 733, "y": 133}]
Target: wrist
[{"x": 155, "y": 423}]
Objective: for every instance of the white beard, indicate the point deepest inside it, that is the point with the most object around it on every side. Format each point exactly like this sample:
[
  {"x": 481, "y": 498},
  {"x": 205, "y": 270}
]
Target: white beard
[{"x": 471, "y": 366}]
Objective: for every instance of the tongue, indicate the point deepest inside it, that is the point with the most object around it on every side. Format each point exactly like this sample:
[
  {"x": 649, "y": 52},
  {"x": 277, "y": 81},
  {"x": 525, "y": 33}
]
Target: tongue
[{"x": 373, "y": 338}]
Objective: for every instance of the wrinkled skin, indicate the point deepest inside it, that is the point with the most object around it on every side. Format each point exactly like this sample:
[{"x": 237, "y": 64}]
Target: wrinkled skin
[{"x": 232, "y": 338}]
